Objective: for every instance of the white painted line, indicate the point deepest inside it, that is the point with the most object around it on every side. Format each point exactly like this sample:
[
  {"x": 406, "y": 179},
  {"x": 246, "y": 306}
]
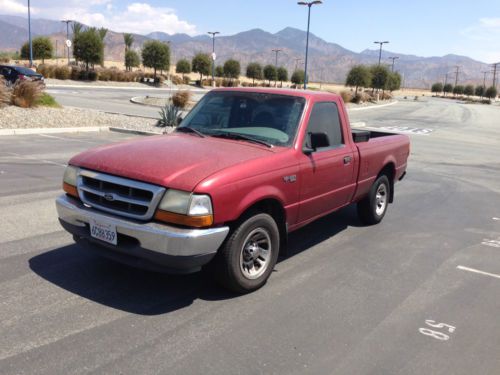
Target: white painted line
[
  {"x": 492, "y": 243},
  {"x": 496, "y": 218},
  {"x": 65, "y": 139},
  {"x": 35, "y": 159},
  {"x": 52, "y": 130},
  {"x": 360, "y": 124},
  {"x": 478, "y": 272}
]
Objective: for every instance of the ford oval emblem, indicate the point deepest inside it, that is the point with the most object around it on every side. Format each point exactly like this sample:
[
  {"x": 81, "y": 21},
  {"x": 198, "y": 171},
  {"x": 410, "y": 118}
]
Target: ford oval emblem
[{"x": 109, "y": 197}]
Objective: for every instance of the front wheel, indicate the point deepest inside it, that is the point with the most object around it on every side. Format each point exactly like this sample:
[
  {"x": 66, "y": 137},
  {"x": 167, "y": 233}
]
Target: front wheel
[
  {"x": 371, "y": 209},
  {"x": 248, "y": 256}
]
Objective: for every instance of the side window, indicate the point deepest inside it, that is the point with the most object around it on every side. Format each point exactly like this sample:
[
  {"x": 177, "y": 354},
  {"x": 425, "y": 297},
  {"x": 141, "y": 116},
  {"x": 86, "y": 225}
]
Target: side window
[{"x": 325, "y": 119}]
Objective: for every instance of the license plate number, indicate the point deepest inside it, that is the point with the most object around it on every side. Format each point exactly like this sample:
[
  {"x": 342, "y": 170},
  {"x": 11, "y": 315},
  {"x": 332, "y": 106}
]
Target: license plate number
[{"x": 103, "y": 231}]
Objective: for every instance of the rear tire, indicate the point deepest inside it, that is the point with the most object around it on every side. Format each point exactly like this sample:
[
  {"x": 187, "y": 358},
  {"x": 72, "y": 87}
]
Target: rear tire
[
  {"x": 372, "y": 209},
  {"x": 247, "y": 258}
]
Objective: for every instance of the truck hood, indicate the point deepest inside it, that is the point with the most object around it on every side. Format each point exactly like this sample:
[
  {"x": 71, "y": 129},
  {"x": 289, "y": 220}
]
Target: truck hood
[{"x": 178, "y": 161}]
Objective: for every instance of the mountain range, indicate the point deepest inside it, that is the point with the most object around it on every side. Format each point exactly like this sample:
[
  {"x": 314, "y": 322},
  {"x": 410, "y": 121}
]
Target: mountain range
[{"x": 328, "y": 62}]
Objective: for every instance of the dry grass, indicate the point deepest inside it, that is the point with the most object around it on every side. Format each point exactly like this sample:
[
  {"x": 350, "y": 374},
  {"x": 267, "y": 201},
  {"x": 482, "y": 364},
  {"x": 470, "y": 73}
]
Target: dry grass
[
  {"x": 4, "y": 93},
  {"x": 26, "y": 93},
  {"x": 181, "y": 98}
]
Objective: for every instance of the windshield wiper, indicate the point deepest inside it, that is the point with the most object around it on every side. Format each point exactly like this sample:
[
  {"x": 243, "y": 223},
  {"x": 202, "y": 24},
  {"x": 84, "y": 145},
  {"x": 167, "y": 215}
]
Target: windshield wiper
[
  {"x": 187, "y": 129},
  {"x": 239, "y": 136}
]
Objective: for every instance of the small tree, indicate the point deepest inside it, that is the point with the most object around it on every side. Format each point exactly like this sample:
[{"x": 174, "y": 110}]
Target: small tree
[
  {"x": 380, "y": 75},
  {"x": 491, "y": 92},
  {"x": 42, "y": 49},
  {"x": 232, "y": 69},
  {"x": 270, "y": 73},
  {"x": 201, "y": 64},
  {"x": 254, "y": 71},
  {"x": 132, "y": 60},
  {"x": 128, "y": 39},
  {"x": 447, "y": 88},
  {"x": 469, "y": 90},
  {"x": 88, "y": 47},
  {"x": 437, "y": 87},
  {"x": 282, "y": 75},
  {"x": 156, "y": 55},
  {"x": 458, "y": 90},
  {"x": 298, "y": 77},
  {"x": 393, "y": 81},
  {"x": 183, "y": 66},
  {"x": 219, "y": 71},
  {"x": 358, "y": 76},
  {"x": 479, "y": 91}
]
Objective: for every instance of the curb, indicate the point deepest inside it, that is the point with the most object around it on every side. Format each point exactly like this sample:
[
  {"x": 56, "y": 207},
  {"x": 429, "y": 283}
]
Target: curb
[
  {"x": 135, "y": 100},
  {"x": 373, "y": 106},
  {"x": 132, "y": 131},
  {"x": 53, "y": 130}
]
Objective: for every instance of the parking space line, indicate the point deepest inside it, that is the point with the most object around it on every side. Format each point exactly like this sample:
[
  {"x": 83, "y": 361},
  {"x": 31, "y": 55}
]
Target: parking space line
[
  {"x": 35, "y": 159},
  {"x": 496, "y": 218},
  {"x": 66, "y": 139},
  {"x": 478, "y": 272}
]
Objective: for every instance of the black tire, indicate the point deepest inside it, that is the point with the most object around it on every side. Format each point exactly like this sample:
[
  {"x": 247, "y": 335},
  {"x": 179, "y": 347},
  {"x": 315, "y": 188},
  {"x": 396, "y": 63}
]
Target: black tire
[
  {"x": 236, "y": 256},
  {"x": 371, "y": 209}
]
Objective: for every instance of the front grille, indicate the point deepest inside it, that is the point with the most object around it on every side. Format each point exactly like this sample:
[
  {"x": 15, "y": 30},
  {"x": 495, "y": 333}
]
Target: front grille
[{"x": 134, "y": 199}]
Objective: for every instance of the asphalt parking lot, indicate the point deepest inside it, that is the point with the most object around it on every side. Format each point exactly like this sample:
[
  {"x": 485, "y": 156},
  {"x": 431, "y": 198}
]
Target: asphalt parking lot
[{"x": 416, "y": 294}]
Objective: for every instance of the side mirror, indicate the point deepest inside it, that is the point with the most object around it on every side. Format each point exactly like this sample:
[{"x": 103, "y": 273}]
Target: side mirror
[{"x": 315, "y": 141}]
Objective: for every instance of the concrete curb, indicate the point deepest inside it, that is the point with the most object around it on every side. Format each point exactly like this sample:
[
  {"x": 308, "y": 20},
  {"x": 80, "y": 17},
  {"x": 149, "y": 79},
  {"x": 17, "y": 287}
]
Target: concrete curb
[
  {"x": 372, "y": 106},
  {"x": 135, "y": 100},
  {"x": 132, "y": 131},
  {"x": 53, "y": 130}
]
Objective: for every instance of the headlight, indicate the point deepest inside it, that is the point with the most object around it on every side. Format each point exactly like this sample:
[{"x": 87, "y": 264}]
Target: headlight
[
  {"x": 184, "y": 208},
  {"x": 69, "y": 180}
]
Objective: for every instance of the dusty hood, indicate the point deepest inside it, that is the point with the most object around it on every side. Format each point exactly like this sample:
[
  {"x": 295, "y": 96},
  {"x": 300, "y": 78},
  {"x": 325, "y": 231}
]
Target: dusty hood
[{"x": 178, "y": 161}]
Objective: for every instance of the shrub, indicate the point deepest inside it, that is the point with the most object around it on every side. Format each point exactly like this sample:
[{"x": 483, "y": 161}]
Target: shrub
[
  {"x": 62, "y": 72},
  {"x": 186, "y": 80},
  {"x": 181, "y": 98},
  {"x": 75, "y": 73},
  {"x": 230, "y": 82},
  {"x": 4, "y": 93},
  {"x": 47, "y": 100},
  {"x": 386, "y": 96},
  {"x": 176, "y": 80},
  {"x": 358, "y": 76},
  {"x": 346, "y": 96},
  {"x": 169, "y": 116},
  {"x": 104, "y": 75},
  {"x": 458, "y": 90},
  {"x": 92, "y": 76},
  {"x": 491, "y": 92},
  {"x": 26, "y": 93},
  {"x": 469, "y": 90},
  {"x": 437, "y": 87},
  {"x": 479, "y": 91}
]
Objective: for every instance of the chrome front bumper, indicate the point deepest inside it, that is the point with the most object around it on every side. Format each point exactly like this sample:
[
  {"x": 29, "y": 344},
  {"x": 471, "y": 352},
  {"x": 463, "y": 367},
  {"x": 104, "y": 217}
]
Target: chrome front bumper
[{"x": 141, "y": 240}]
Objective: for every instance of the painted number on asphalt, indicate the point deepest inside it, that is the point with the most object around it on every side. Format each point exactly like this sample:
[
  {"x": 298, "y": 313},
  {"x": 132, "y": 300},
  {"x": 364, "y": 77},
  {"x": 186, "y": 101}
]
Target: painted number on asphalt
[
  {"x": 407, "y": 129},
  {"x": 438, "y": 335},
  {"x": 492, "y": 243}
]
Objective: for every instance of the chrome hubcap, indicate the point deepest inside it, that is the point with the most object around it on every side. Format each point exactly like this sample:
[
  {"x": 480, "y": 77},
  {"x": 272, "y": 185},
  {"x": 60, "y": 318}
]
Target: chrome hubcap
[
  {"x": 381, "y": 199},
  {"x": 255, "y": 253}
]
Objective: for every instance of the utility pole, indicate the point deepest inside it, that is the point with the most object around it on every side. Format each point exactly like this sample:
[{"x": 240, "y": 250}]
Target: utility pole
[
  {"x": 393, "y": 59},
  {"x": 276, "y": 51},
  {"x": 57, "y": 60},
  {"x": 213, "y": 33},
  {"x": 380, "y": 51},
  {"x": 309, "y": 5},
  {"x": 495, "y": 65},
  {"x": 68, "y": 42},
  {"x": 457, "y": 69},
  {"x": 29, "y": 34},
  {"x": 484, "y": 78},
  {"x": 297, "y": 63}
]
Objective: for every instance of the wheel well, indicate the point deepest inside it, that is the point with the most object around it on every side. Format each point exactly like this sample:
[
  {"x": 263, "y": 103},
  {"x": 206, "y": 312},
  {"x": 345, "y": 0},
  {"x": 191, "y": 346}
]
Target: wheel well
[
  {"x": 275, "y": 209},
  {"x": 389, "y": 170}
]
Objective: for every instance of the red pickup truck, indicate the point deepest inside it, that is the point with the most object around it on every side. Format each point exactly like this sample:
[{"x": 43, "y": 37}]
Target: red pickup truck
[{"x": 243, "y": 169}]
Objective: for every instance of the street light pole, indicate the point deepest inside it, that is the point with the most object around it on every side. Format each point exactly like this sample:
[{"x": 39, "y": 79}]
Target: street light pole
[
  {"x": 309, "y": 5},
  {"x": 276, "y": 51},
  {"x": 380, "y": 51},
  {"x": 393, "y": 59},
  {"x": 213, "y": 33},
  {"x": 29, "y": 34},
  {"x": 67, "y": 35}
]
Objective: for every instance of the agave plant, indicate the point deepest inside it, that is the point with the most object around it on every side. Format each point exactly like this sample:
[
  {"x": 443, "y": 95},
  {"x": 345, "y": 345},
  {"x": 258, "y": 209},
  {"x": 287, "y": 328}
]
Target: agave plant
[{"x": 169, "y": 116}]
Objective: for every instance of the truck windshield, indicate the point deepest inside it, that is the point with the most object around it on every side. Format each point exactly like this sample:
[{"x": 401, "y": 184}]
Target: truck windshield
[{"x": 270, "y": 118}]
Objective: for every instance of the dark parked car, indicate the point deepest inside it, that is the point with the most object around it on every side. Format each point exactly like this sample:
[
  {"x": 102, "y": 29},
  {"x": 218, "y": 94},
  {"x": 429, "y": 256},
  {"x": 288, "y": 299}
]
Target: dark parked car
[{"x": 12, "y": 74}]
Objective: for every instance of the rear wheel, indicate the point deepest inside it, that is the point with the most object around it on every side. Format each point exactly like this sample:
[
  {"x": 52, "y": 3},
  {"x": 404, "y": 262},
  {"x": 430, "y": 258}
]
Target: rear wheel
[
  {"x": 248, "y": 256},
  {"x": 371, "y": 209}
]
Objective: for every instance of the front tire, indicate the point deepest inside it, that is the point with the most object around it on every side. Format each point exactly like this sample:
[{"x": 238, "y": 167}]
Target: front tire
[
  {"x": 372, "y": 209},
  {"x": 247, "y": 258}
]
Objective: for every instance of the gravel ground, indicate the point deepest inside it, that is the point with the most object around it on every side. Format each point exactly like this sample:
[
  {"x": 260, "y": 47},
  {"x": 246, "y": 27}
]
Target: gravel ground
[{"x": 19, "y": 118}]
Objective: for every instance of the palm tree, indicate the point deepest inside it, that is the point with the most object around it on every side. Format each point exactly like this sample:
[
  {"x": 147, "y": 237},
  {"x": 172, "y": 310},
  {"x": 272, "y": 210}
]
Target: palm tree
[
  {"x": 128, "y": 39},
  {"x": 102, "y": 33}
]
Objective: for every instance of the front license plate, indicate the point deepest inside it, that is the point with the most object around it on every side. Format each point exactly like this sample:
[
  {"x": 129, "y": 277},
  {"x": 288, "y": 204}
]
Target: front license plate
[{"x": 103, "y": 231}]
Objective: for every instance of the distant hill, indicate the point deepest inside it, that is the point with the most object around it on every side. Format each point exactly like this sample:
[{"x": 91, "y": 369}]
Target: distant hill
[{"x": 328, "y": 62}]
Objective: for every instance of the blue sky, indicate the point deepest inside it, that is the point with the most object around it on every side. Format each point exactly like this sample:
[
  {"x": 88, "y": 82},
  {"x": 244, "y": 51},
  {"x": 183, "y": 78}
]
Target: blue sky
[{"x": 420, "y": 27}]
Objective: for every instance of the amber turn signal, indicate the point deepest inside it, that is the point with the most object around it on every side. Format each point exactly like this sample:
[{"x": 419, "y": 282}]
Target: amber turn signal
[
  {"x": 70, "y": 189},
  {"x": 188, "y": 221}
]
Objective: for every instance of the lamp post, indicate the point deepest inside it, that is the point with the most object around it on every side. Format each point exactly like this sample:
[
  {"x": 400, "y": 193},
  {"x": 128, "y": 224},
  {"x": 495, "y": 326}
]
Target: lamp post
[
  {"x": 276, "y": 51},
  {"x": 29, "y": 34},
  {"x": 213, "y": 33},
  {"x": 309, "y": 5},
  {"x": 380, "y": 51},
  {"x": 394, "y": 58},
  {"x": 67, "y": 35}
]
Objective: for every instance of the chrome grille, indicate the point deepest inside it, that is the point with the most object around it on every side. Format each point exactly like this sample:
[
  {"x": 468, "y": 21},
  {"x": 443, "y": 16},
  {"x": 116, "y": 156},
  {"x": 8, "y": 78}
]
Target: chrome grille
[{"x": 121, "y": 196}]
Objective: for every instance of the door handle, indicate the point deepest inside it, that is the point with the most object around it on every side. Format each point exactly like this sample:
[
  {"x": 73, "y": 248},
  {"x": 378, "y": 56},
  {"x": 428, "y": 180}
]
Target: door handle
[{"x": 347, "y": 160}]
